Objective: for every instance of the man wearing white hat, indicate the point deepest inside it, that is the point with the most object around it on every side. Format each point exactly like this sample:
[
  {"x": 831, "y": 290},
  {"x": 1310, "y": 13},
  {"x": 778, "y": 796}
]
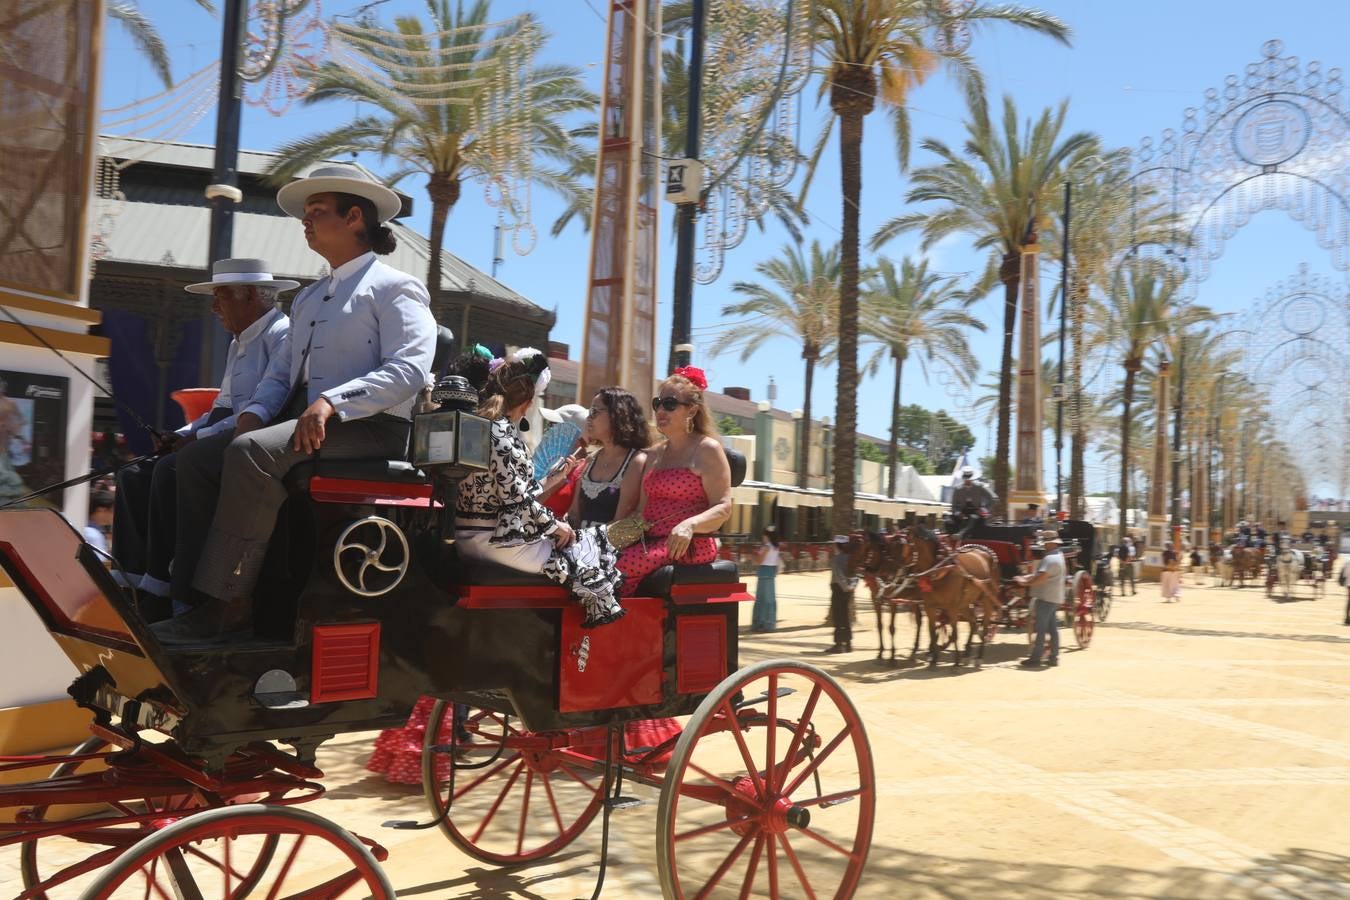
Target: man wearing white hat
[
  {"x": 145, "y": 541},
  {"x": 362, "y": 343}
]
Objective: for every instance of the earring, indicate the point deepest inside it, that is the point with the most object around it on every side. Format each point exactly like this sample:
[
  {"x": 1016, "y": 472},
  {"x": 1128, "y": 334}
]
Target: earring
[
  {"x": 689, "y": 425},
  {"x": 524, "y": 424}
]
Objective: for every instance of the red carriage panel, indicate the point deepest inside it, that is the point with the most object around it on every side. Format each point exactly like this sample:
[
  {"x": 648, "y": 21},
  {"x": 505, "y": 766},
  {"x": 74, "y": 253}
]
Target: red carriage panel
[
  {"x": 618, "y": 665},
  {"x": 1006, "y": 552},
  {"x": 700, "y": 653},
  {"x": 380, "y": 493},
  {"x": 346, "y": 662}
]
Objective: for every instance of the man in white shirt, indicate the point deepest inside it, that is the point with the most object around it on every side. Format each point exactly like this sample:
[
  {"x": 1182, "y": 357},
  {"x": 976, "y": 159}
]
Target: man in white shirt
[
  {"x": 362, "y": 343},
  {"x": 1046, "y": 590},
  {"x": 147, "y": 537}
]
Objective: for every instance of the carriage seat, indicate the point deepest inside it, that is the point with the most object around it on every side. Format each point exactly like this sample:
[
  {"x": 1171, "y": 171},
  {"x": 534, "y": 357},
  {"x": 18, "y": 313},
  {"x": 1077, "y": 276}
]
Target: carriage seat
[
  {"x": 659, "y": 583},
  {"x": 397, "y": 471},
  {"x": 489, "y": 574}
]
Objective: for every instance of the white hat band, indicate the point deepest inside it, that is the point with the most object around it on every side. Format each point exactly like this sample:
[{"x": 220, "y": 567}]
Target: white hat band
[{"x": 226, "y": 277}]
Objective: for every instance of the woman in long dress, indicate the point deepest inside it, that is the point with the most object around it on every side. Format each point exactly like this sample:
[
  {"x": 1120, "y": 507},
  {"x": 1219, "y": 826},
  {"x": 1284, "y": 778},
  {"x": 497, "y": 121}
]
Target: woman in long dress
[
  {"x": 764, "y": 616},
  {"x": 686, "y": 485},
  {"x": 1170, "y": 580}
]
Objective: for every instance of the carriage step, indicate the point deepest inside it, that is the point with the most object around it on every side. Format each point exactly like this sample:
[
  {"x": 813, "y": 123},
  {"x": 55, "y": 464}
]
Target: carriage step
[
  {"x": 617, "y": 803},
  {"x": 764, "y": 695}
]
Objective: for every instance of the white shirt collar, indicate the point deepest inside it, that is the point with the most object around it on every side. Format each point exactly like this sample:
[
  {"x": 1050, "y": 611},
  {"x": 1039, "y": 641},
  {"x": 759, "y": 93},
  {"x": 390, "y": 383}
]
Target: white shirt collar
[
  {"x": 258, "y": 327},
  {"x": 348, "y": 269}
]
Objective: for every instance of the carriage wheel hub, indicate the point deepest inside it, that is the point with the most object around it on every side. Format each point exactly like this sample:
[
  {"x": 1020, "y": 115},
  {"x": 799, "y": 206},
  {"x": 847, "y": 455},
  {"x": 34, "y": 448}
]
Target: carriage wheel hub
[{"x": 774, "y": 815}]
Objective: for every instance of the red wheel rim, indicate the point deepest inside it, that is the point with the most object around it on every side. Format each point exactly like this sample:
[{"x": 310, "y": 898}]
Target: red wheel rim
[
  {"x": 1083, "y": 627},
  {"x": 732, "y": 824},
  {"x": 524, "y": 804},
  {"x": 209, "y": 854},
  {"x": 119, "y": 825}
]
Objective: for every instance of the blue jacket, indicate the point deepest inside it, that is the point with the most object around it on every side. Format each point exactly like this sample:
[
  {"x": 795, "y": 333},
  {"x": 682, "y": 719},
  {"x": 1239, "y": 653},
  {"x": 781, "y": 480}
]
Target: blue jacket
[
  {"x": 370, "y": 343},
  {"x": 258, "y": 362}
]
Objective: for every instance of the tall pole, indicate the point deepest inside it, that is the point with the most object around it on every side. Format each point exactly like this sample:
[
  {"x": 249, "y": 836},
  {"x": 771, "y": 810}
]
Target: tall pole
[
  {"x": 1176, "y": 441},
  {"x": 1060, "y": 398},
  {"x": 682, "y": 298},
  {"x": 1028, "y": 481},
  {"x": 223, "y": 193}
]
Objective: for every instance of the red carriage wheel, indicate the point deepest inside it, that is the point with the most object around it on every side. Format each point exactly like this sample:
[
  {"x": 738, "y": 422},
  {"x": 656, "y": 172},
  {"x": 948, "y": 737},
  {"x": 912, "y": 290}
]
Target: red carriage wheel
[
  {"x": 210, "y": 854},
  {"x": 108, "y": 832},
  {"x": 516, "y": 800},
  {"x": 770, "y": 791},
  {"x": 1084, "y": 621}
]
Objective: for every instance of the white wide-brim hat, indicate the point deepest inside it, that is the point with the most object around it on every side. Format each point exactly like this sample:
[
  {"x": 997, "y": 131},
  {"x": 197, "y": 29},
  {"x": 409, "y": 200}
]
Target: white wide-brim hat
[
  {"x": 241, "y": 273},
  {"x": 338, "y": 179},
  {"x": 571, "y": 413}
]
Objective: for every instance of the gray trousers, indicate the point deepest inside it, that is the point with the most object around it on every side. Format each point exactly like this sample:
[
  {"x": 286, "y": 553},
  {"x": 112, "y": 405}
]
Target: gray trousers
[{"x": 243, "y": 479}]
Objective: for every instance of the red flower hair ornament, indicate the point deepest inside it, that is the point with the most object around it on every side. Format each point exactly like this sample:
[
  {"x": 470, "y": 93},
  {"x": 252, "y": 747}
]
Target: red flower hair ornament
[{"x": 694, "y": 375}]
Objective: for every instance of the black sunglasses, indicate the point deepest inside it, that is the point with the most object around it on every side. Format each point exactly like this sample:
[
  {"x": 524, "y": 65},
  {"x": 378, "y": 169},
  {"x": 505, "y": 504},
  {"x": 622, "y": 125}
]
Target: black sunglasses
[{"x": 669, "y": 404}]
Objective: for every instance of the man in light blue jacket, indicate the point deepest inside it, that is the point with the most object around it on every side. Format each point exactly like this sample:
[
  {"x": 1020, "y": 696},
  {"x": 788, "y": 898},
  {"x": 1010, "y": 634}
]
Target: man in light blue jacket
[
  {"x": 362, "y": 343},
  {"x": 145, "y": 541}
]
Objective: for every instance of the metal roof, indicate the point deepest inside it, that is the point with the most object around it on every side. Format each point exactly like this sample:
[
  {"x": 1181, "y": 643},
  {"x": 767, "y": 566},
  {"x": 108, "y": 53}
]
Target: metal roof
[{"x": 175, "y": 235}]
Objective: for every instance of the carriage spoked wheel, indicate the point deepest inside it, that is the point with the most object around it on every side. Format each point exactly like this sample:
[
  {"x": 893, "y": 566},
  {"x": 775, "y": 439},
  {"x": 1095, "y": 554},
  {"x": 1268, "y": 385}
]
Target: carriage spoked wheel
[
  {"x": 109, "y": 831},
  {"x": 515, "y": 799},
  {"x": 770, "y": 791},
  {"x": 208, "y": 856},
  {"x": 1084, "y": 622},
  {"x": 1101, "y": 608}
]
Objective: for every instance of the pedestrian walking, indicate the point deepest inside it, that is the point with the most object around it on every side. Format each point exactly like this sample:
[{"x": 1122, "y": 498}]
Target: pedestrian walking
[
  {"x": 842, "y": 583},
  {"x": 1046, "y": 589},
  {"x": 1125, "y": 569},
  {"x": 764, "y": 616},
  {"x": 1170, "y": 580},
  {"x": 1197, "y": 563}
]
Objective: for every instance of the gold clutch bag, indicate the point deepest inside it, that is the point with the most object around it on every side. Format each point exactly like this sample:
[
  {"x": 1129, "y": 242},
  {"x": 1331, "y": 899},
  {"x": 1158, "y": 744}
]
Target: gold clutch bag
[{"x": 628, "y": 531}]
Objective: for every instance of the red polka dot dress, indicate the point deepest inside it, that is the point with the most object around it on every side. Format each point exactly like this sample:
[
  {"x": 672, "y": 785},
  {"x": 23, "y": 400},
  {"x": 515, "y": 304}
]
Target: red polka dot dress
[
  {"x": 398, "y": 751},
  {"x": 673, "y": 495}
]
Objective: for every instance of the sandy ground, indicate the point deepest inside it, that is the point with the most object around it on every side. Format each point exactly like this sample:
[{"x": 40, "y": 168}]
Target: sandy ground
[{"x": 1196, "y": 750}]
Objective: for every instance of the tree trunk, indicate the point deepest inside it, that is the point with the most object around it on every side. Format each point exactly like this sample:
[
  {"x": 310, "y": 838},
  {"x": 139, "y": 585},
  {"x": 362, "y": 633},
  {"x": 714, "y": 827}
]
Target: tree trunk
[
  {"x": 894, "y": 457},
  {"x": 1131, "y": 370},
  {"x": 444, "y": 192},
  {"x": 804, "y": 449},
  {"x": 852, "y": 98},
  {"x": 1078, "y": 443},
  {"x": 1010, "y": 273}
]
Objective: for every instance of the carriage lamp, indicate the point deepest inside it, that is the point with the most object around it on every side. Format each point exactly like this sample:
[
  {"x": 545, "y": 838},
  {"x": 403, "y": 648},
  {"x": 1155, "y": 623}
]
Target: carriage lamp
[{"x": 450, "y": 442}]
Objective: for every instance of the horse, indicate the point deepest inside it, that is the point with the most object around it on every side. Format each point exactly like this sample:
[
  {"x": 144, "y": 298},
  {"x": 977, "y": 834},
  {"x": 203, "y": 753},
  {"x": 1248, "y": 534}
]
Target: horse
[
  {"x": 1246, "y": 564},
  {"x": 1289, "y": 569},
  {"x": 881, "y": 570},
  {"x": 952, "y": 586}
]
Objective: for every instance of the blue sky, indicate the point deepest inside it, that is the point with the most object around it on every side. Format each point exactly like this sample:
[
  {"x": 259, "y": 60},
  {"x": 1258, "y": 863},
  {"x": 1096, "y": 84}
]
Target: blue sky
[{"x": 1131, "y": 72}]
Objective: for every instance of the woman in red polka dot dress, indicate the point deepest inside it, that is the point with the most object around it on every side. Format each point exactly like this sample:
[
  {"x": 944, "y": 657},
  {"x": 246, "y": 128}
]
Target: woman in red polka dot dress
[{"x": 686, "y": 485}]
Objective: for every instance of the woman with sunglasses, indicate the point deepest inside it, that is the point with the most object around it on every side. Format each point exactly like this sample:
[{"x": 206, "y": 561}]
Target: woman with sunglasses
[
  {"x": 611, "y": 482},
  {"x": 686, "y": 484}
]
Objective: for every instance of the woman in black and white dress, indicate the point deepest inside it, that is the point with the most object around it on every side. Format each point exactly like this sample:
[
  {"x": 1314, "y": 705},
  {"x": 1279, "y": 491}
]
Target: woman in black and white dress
[
  {"x": 611, "y": 483},
  {"x": 498, "y": 516}
]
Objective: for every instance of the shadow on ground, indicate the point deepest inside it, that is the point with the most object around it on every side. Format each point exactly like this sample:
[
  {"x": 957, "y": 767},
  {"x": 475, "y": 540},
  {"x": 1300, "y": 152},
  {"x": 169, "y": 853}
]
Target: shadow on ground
[
  {"x": 1217, "y": 632},
  {"x": 897, "y": 873}
]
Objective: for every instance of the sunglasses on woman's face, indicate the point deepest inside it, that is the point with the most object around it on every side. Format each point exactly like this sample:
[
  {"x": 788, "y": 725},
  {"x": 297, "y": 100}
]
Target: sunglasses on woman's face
[{"x": 669, "y": 404}]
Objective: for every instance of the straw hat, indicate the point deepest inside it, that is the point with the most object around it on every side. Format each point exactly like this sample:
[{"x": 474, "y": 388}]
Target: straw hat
[
  {"x": 241, "y": 273},
  {"x": 338, "y": 179}
]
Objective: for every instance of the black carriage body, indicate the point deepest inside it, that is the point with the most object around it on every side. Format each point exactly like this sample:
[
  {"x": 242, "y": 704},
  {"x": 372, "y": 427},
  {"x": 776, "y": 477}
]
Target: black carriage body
[{"x": 327, "y": 660}]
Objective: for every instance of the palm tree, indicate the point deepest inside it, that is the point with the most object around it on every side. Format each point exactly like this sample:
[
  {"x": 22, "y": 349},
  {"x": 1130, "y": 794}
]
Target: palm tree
[
  {"x": 1144, "y": 311},
  {"x": 434, "y": 122},
  {"x": 997, "y": 189},
  {"x": 871, "y": 49},
  {"x": 916, "y": 313},
  {"x": 799, "y": 300},
  {"x": 145, "y": 35}
]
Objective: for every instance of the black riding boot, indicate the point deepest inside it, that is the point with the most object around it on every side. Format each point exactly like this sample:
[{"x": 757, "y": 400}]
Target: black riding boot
[{"x": 213, "y": 620}]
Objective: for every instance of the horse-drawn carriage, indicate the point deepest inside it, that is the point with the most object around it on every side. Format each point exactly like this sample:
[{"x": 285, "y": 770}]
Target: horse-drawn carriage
[
  {"x": 1293, "y": 569},
  {"x": 901, "y": 571},
  {"x": 200, "y": 755},
  {"x": 1012, "y": 546}
]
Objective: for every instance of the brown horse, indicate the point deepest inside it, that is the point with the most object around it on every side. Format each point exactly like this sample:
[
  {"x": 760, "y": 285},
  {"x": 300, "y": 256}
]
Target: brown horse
[
  {"x": 882, "y": 570},
  {"x": 951, "y": 586},
  {"x": 1246, "y": 564}
]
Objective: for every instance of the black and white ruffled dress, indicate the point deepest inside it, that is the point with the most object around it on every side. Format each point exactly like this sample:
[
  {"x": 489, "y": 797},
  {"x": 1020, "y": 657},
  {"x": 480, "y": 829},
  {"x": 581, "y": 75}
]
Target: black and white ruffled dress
[{"x": 499, "y": 519}]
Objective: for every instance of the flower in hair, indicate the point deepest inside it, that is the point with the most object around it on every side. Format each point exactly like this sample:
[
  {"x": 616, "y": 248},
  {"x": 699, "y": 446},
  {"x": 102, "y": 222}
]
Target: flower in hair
[
  {"x": 536, "y": 363},
  {"x": 496, "y": 363},
  {"x": 480, "y": 350},
  {"x": 694, "y": 375}
]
